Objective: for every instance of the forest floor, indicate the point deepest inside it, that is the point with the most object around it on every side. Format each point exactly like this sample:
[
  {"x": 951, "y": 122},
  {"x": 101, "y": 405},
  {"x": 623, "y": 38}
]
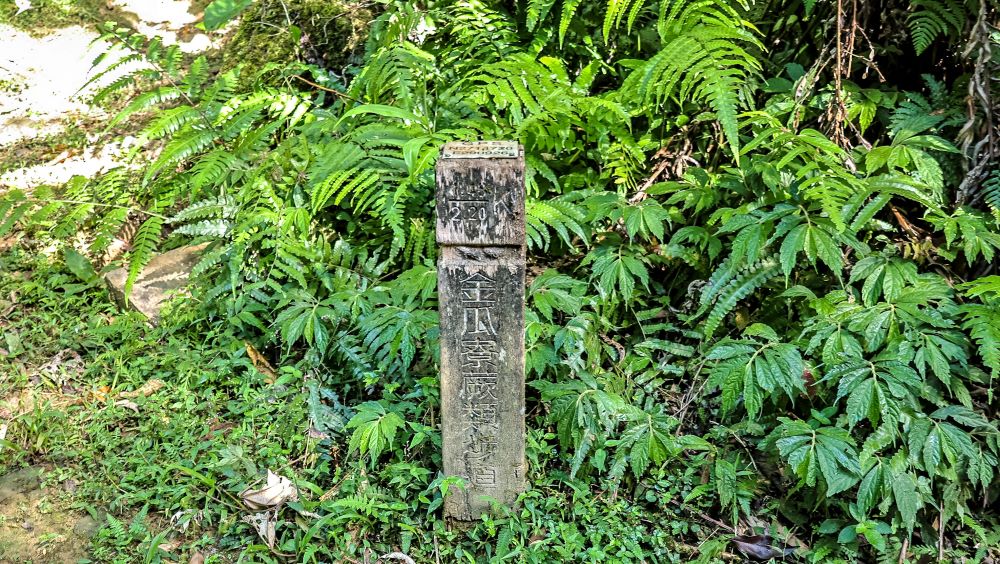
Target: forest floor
[{"x": 49, "y": 132}]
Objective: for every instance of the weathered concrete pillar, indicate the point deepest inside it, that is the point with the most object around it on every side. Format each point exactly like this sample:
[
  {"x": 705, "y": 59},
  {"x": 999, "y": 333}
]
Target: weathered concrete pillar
[{"x": 480, "y": 227}]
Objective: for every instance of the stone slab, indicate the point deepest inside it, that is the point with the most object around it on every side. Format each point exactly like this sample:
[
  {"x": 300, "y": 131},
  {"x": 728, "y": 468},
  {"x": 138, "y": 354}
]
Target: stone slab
[
  {"x": 165, "y": 275},
  {"x": 481, "y": 301},
  {"x": 481, "y": 278}
]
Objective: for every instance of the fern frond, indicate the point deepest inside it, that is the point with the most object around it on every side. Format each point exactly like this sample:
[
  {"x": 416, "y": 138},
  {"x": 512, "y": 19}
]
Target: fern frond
[
  {"x": 145, "y": 101},
  {"x": 352, "y": 182},
  {"x": 933, "y": 18},
  {"x": 982, "y": 321},
  {"x": 13, "y": 207},
  {"x": 741, "y": 286},
  {"x": 213, "y": 168},
  {"x": 569, "y": 8},
  {"x": 537, "y": 11},
  {"x": 169, "y": 122},
  {"x": 143, "y": 246},
  {"x": 560, "y": 215},
  {"x": 180, "y": 148},
  {"x": 991, "y": 193},
  {"x": 197, "y": 76},
  {"x": 704, "y": 58},
  {"x": 617, "y": 10},
  {"x": 913, "y": 114},
  {"x": 117, "y": 85},
  {"x": 396, "y": 74}
]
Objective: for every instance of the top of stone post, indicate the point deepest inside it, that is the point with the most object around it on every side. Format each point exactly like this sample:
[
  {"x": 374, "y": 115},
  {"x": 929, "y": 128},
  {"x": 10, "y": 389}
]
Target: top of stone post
[
  {"x": 481, "y": 150},
  {"x": 480, "y": 194}
]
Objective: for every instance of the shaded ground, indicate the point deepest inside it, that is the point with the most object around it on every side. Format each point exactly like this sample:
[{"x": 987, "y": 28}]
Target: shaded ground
[{"x": 34, "y": 525}]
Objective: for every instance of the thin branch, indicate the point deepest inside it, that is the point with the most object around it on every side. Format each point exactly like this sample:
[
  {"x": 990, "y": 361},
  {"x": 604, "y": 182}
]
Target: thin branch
[{"x": 325, "y": 89}]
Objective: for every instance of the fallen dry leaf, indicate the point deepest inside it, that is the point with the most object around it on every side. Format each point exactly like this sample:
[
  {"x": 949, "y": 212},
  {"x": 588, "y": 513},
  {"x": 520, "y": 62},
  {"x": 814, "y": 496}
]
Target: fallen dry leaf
[
  {"x": 278, "y": 490},
  {"x": 314, "y": 433},
  {"x": 197, "y": 558},
  {"x": 151, "y": 386},
  {"x": 18, "y": 404},
  {"x": 759, "y": 547},
  {"x": 66, "y": 364},
  {"x": 7, "y": 243},
  {"x": 261, "y": 364},
  {"x": 128, "y": 404},
  {"x": 405, "y": 558},
  {"x": 264, "y": 523}
]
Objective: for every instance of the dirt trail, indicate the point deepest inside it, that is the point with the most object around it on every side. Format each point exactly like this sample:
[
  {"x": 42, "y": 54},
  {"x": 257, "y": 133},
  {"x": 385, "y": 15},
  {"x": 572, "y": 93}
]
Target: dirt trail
[
  {"x": 44, "y": 92},
  {"x": 34, "y": 527}
]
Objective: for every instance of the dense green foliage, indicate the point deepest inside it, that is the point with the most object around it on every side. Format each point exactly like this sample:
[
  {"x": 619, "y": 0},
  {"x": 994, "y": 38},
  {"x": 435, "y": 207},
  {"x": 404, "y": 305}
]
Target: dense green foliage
[{"x": 763, "y": 265}]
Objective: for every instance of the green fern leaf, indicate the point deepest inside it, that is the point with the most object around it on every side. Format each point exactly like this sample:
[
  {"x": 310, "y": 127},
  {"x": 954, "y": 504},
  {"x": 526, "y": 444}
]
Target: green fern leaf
[
  {"x": 569, "y": 8},
  {"x": 932, "y": 18},
  {"x": 740, "y": 287},
  {"x": 983, "y": 320},
  {"x": 143, "y": 246},
  {"x": 537, "y": 11}
]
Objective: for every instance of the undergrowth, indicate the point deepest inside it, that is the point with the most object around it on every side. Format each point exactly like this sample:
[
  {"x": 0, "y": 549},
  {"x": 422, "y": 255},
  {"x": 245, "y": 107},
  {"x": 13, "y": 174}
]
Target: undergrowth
[{"x": 763, "y": 302}]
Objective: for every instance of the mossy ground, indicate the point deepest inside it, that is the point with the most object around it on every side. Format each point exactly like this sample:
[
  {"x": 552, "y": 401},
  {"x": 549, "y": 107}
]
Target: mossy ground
[{"x": 330, "y": 34}]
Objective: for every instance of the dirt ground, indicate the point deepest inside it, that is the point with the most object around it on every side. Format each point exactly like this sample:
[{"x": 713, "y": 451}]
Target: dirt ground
[{"x": 35, "y": 526}]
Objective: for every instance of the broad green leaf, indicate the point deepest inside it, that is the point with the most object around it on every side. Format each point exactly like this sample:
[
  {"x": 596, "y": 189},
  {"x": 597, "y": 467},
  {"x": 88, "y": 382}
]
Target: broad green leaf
[{"x": 219, "y": 12}]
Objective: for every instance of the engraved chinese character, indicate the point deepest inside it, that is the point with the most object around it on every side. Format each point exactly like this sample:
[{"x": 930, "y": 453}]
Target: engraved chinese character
[
  {"x": 478, "y": 280},
  {"x": 479, "y": 355},
  {"x": 481, "y": 413},
  {"x": 479, "y": 295},
  {"x": 472, "y": 192},
  {"x": 479, "y": 321},
  {"x": 482, "y": 475},
  {"x": 481, "y": 445},
  {"x": 480, "y": 388}
]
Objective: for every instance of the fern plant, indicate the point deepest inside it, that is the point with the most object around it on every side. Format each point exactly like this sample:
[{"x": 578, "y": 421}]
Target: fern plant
[{"x": 931, "y": 19}]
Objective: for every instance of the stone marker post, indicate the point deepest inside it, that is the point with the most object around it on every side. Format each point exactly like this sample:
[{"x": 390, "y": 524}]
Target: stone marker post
[{"x": 480, "y": 228}]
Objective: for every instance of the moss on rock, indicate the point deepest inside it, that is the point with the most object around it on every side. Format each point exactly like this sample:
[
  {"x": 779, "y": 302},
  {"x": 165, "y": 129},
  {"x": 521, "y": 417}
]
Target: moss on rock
[{"x": 332, "y": 32}]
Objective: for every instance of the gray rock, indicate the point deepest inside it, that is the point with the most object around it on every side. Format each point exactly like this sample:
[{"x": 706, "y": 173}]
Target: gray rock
[
  {"x": 166, "y": 274},
  {"x": 19, "y": 482},
  {"x": 87, "y": 527}
]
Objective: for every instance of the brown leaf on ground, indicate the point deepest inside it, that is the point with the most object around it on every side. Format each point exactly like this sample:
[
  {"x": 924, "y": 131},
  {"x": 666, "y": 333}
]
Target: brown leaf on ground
[
  {"x": 217, "y": 426},
  {"x": 197, "y": 558},
  {"x": 151, "y": 386},
  {"x": 65, "y": 365},
  {"x": 264, "y": 523},
  {"x": 278, "y": 490},
  {"x": 9, "y": 242},
  {"x": 128, "y": 404},
  {"x": 18, "y": 403},
  {"x": 261, "y": 364},
  {"x": 405, "y": 558},
  {"x": 758, "y": 547}
]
